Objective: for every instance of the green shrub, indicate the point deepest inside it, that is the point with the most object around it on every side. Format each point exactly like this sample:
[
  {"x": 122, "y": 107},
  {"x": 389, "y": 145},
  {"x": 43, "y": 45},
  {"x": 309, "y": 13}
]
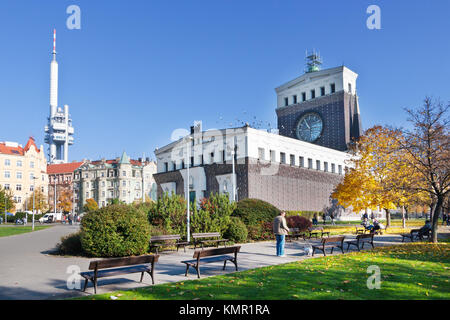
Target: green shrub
[
  {"x": 169, "y": 214},
  {"x": 236, "y": 231},
  {"x": 254, "y": 211},
  {"x": 71, "y": 245},
  {"x": 213, "y": 215},
  {"x": 115, "y": 231},
  {"x": 261, "y": 231}
]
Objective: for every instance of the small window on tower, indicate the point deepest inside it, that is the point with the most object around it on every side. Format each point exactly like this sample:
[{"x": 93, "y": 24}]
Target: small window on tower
[
  {"x": 322, "y": 91},
  {"x": 286, "y": 101},
  {"x": 332, "y": 88},
  {"x": 303, "y": 96},
  {"x": 349, "y": 88},
  {"x": 313, "y": 94},
  {"x": 294, "y": 99}
]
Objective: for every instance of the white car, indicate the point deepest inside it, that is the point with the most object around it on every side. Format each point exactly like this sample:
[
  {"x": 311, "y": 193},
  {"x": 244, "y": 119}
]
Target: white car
[{"x": 47, "y": 218}]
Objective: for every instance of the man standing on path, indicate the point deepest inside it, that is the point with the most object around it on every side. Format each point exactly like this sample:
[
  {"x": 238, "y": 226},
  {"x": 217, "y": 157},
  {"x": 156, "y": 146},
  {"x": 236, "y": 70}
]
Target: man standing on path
[{"x": 281, "y": 230}]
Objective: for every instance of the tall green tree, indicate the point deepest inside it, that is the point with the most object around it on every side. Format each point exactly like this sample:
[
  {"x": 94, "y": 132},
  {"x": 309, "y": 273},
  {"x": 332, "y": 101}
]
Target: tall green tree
[{"x": 6, "y": 197}]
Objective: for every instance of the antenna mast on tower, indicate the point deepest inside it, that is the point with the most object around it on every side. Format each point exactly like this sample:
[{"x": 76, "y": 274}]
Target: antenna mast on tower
[{"x": 313, "y": 61}]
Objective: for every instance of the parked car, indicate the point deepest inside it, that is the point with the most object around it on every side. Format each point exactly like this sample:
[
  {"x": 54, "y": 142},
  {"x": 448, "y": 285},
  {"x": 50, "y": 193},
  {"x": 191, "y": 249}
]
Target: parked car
[{"x": 47, "y": 218}]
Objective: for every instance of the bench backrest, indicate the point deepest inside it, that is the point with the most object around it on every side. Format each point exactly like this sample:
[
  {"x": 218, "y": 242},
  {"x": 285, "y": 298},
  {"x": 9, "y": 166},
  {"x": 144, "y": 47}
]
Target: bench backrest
[
  {"x": 206, "y": 235},
  {"x": 119, "y": 262},
  {"x": 216, "y": 251},
  {"x": 364, "y": 236},
  {"x": 333, "y": 239},
  {"x": 165, "y": 237}
]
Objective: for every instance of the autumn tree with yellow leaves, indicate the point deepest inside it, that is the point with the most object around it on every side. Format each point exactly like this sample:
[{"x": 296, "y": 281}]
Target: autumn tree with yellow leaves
[
  {"x": 64, "y": 203},
  {"x": 378, "y": 174}
]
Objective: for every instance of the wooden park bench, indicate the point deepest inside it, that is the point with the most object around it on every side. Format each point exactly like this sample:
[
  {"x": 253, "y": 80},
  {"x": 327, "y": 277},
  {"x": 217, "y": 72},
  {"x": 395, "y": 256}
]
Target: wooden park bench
[
  {"x": 294, "y": 233},
  {"x": 314, "y": 231},
  {"x": 208, "y": 236},
  {"x": 159, "y": 241},
  {"x": 212, "y": 255},
  {"x": 106, "y": 268},
  {"x": 360, "y": 230},
  {"x": 360, "y": 240},
  {"x": 415, "y": 233},
  {"x": 330, "y": 242}
]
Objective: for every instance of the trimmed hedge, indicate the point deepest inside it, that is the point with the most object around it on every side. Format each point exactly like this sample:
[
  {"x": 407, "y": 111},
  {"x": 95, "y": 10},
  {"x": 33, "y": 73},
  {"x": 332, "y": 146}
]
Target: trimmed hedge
[
  {"x": 307, "y": 214},
  {"x": 71, "y": 245},
  {"x": 236, "y": 231},
  {"x": 115, "y": 231},
  {"x": 253, "y": 212}
]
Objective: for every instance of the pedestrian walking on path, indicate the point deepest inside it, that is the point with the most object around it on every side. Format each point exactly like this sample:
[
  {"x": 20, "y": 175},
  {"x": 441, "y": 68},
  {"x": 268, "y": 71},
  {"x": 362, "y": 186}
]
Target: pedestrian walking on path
[{"x": 280, "y": 229}]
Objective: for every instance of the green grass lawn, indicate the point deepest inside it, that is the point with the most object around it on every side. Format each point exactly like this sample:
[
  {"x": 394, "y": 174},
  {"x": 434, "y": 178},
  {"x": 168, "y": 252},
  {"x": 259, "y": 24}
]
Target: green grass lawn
[
  {"x": 10, "y": 231},
  {"x": 410, "y": 271}
]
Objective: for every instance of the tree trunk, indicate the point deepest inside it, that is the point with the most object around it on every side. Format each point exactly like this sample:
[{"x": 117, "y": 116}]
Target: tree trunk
[
  {"x": 403, "y": 218},
  {"x": 435, "y": 218},
  {"x": 388, "y": 217}
]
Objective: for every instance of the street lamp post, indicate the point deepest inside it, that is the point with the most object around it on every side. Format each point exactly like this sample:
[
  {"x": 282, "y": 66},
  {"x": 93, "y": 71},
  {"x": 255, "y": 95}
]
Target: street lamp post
[
  {"x": 188, "y": 140},
  {"x": 5, "y": 207}
]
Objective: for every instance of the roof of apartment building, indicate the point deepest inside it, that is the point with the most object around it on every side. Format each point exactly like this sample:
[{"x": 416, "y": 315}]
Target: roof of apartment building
[
  {"x": 14, "y": 148},
  {"x": 63, "y": 167}
]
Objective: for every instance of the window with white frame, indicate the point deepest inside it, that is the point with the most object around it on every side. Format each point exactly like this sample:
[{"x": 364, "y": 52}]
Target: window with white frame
[{"x": 261, "y": 154}]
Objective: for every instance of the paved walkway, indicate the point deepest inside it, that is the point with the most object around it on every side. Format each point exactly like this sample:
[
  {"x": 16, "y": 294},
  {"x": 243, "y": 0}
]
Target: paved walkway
[{"x": 28, "y": 270}]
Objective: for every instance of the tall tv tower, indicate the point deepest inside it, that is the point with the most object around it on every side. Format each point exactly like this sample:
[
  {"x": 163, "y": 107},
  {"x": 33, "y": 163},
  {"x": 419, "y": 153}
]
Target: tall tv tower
[{"x": 59, "y": 131}]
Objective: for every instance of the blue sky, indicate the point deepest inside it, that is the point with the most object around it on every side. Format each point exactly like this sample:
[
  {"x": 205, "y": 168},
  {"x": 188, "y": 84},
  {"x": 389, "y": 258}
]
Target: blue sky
[{"x": 137, "y": 70}]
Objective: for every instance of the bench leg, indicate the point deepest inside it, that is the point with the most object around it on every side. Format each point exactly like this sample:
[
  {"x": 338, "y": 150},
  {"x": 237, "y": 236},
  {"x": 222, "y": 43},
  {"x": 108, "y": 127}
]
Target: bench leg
[
  {"x": 314, "y": 250},
  {"x": 224, "y": 264},
  {"x": 95, "y": 285},
  {"x": 151, "y": 275},
  {"x": 362, "y": 245},
  {"x": 85, "y": 284},
  {"x": 235, "y": 263},
  {"x": 332, "y": 248},
  {"x": 142, "y": 276},
  {"x": 198, "y": 271},
  {"x": 348, "y": 246},
  {"x": 342, "y": 248}
]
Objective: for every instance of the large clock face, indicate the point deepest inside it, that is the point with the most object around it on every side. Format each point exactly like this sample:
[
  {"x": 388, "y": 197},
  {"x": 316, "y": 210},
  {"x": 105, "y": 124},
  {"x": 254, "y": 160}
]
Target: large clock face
[{"x": 309, "y": 127}]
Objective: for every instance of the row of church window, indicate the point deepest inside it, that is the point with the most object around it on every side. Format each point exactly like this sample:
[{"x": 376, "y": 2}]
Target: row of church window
[
  {"x": 301, "y": 161},
  {"x": 172, "y": 165},
  {"x": 312, "y": 94}
]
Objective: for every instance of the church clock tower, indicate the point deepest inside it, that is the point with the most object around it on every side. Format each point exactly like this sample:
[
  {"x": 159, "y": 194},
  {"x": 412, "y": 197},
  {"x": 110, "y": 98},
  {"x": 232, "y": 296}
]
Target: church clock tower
[{"x": 321, "y": 106}]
